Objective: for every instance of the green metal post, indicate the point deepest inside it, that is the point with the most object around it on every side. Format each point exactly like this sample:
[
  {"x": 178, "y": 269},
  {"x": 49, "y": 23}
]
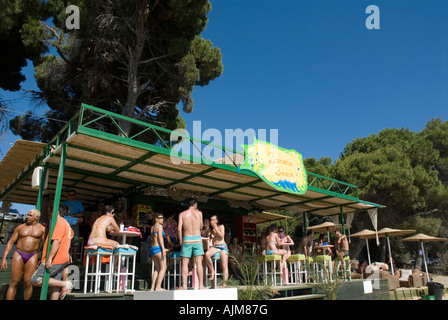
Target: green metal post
[
  {"x": 304, "y": 224},
  {"x": 342, "y": 220},
  {"x": 54, "y": 217},
  {"x": 41, "y": 188}
]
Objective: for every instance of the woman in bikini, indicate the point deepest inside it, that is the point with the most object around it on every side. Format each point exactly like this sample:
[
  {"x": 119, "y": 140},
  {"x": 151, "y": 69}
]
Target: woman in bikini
[
  {"x": 158, "y": 253},
  {"x": 104, "y": 223},
  {"x": 272, "y": 241},
  {"x": 217, "y": 234}
]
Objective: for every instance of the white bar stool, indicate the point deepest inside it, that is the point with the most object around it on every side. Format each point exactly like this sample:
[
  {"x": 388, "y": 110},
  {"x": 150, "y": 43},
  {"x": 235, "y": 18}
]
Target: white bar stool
[
  {"x": 125, "y": 255},
  {"x": 176, "y": 259},
  {"x": 324, "y": 267},
  {"x": 297, "y": 267},
  {"x": 215, "y": 259},
  {"x": 344, "y": 268},
  {"x": 94, "y": 257},
  {"x": 273, "y": 258}
]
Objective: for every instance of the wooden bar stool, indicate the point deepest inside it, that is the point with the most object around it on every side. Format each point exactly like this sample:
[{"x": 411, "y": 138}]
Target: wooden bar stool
[
  {"x": 95, "y": 257},
  {"x": 125, "y": 255}
]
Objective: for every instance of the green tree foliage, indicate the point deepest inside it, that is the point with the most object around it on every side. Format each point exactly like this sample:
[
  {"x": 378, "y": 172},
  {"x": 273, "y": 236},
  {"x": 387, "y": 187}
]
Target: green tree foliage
[
  {"x": 20, "y": 41},
  {"x": 138, "y": 58},
  {"x": 406, "y": 172},
  {"x": 395, "y": 167}
]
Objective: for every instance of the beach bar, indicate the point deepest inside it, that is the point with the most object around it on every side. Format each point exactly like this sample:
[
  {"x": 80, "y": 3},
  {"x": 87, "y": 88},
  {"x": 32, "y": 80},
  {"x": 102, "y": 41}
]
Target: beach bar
[{"x": 94, "y": 155}]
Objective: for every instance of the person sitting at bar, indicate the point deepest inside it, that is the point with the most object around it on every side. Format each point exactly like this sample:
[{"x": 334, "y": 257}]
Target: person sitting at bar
[
  {"x": 104, "y": 223},
  {"x": 322, "y": 241},
  {"x": 284, "y": 238},
  {"x": 217, "y": 234},
  {"x": 272, "y": 241}
]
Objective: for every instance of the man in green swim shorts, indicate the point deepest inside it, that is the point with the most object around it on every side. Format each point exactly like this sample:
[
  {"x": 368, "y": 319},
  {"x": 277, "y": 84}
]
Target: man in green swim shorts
[{"x": 189, "y": 233}]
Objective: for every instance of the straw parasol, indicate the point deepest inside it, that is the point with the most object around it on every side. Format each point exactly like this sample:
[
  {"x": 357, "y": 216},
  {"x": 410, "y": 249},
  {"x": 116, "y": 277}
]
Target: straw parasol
[
  {"x": 326, "y": 227},
  {"x": 424, "y": 238},
  {"x": 388, "y": 232},
  {"x": 366, "y": 234}
]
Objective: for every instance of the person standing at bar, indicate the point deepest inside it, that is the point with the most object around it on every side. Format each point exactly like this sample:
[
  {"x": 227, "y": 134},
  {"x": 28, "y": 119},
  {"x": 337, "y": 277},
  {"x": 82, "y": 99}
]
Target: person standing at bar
[
  {"x": 189, "y": 233},
  {"x": 75, "y": 210},
  {"x": 29, "y": 236},
  {"x": 57, "y": 260}
]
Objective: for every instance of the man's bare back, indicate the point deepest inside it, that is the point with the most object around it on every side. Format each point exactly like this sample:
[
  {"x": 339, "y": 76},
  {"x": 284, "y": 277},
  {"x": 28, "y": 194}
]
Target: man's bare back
[
  {"x": 100, "y": 226},
  {"x": 191, "y": 222},
  {"x": 104, "y": 223}
]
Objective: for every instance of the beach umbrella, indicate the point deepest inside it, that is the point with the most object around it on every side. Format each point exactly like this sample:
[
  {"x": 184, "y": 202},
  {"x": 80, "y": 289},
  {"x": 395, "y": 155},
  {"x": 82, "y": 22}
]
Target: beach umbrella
[
  {"x": 424, "y": 238},
  {"x": 366, "y": 234},
  {"x": 388, "y": 232},
  {"x": 325, "y": 227}
]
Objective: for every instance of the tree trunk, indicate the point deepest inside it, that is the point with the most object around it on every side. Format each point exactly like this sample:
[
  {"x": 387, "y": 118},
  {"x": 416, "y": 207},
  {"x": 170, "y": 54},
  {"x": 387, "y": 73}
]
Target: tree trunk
[{"x": 135, "y": 54}]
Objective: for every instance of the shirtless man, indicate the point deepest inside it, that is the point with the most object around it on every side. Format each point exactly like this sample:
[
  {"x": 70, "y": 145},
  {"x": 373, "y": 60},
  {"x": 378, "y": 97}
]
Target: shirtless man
[
  {"x": 189, "y": 234},
  {"x": 29, "y": 237},
  {"x": 306, "y": 244},
  {"x": 342, "y": 248},
  {"x": 218, "y": 245},
  {"x": 104, "y": 223}
]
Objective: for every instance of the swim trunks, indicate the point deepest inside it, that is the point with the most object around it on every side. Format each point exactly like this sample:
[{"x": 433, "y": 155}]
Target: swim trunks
[
  {"x": 192, "y": 245},
  {"x": 221, "y": 247},
  {"x": 155, "y": 250},
  {"x": 96, "y": 241},
  {"x": 26, "y": 256}
]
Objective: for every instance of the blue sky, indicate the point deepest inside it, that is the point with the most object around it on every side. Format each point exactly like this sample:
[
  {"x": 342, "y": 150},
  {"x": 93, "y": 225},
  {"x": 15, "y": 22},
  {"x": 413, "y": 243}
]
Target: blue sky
[{"x": 312, "y": 70}]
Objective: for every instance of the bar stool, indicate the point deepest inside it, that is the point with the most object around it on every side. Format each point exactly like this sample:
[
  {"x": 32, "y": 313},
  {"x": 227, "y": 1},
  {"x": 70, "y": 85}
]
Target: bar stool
[
  {"x": 273, "y": 258},
  {"x": 311, "y": 269},
  {"x": 176, "y": 259},
  {"x": 324, "y": 267},
  {"x": 79, "y": 254},
  {"x": 297, "y": 267},
  {"x": 125, "y": 255},
  {"x": 215, "y": 259},
  {"x": 344, "y": 268},
  {"x": 95, "y": 257}
]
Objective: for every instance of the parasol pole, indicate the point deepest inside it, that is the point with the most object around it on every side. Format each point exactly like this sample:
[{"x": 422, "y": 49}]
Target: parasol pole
[
  {"x": 368, "y": 250},
  {"x": 424, "y": 259},
  {"x": 390, "y": 254}
]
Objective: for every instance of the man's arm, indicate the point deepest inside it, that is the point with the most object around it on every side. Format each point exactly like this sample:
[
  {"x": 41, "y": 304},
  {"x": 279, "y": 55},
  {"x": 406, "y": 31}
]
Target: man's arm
[
  {"x": 54, "y": 249},
  {"x": 179, "y": 228},
  {"x": 114, "y": 224}
]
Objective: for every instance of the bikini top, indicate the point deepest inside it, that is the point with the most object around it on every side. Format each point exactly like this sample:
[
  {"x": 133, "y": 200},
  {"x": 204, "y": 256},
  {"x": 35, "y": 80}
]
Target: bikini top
[{"x": 155, "y": 232}]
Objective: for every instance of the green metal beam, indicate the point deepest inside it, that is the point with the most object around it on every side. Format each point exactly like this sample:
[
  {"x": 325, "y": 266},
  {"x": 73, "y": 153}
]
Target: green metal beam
[{"x": 54, "y": 218}]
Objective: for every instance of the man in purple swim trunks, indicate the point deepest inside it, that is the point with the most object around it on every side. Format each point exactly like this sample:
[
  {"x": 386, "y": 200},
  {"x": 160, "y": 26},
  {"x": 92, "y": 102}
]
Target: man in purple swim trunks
[{"x": 29, "y": 237}]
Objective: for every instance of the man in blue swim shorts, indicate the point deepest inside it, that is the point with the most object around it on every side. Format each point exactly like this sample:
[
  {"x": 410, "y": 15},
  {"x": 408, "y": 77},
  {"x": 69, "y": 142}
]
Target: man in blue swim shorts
[{"x": 189, "y": 234}]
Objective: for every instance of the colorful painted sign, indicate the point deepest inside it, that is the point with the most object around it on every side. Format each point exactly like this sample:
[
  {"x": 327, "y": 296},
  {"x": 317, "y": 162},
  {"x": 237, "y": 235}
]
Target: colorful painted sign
[{"x": 282, "y": 169}]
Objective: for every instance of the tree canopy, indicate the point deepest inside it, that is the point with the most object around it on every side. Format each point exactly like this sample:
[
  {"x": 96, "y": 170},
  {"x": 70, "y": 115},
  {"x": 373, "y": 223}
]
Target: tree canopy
[
  {"x": 137, "y": 58},
  {"x": 403, "y": 170}
]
